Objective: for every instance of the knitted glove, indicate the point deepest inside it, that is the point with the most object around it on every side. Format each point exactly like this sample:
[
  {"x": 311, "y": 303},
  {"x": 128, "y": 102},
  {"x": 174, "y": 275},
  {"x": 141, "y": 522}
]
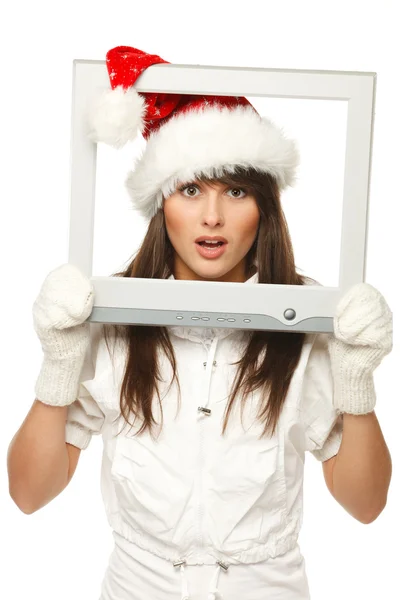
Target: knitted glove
[
  {"x": 363, "y": 329},
  {"x": 65, "y": 301}
]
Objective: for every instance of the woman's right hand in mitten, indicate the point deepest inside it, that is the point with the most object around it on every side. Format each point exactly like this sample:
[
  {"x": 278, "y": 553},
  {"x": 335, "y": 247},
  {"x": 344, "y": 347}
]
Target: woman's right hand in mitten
[{"x": 64, "y": 303}]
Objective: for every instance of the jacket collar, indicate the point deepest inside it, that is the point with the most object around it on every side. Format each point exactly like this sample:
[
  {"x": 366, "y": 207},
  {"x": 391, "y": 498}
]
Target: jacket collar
[{"x": 200, "y": 334}]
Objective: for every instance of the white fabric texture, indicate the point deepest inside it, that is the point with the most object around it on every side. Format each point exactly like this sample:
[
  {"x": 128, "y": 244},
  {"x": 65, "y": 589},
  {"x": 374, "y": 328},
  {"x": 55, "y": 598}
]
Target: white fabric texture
[
  {"x": 136, "y": 574},
  {"x": 195, "y": 498}
]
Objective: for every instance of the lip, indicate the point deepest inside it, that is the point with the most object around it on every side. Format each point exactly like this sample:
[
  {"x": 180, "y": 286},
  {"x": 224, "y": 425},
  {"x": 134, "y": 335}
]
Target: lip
[
  {"x": 213, "y": 238},
  {"x": 211, "y": 252}
]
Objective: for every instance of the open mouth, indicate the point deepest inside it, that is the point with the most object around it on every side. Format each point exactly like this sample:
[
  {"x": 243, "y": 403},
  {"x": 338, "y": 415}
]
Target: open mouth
[{"x": 210, "y": 245}]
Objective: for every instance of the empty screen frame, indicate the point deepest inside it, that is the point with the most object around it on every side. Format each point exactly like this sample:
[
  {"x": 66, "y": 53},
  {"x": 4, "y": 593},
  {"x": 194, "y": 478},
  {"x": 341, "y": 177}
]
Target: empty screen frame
[{"x": 262, "y": 306}]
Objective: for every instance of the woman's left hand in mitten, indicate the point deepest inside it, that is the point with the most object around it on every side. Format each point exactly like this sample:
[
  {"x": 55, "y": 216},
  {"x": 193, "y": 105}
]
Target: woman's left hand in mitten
[{"x": 363, "y": 336}]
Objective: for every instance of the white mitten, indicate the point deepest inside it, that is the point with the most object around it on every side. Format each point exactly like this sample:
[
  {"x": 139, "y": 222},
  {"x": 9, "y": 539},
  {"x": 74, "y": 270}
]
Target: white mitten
[
  {"x": 363, "y": 332},
  {"x": 64, "y": 303}
]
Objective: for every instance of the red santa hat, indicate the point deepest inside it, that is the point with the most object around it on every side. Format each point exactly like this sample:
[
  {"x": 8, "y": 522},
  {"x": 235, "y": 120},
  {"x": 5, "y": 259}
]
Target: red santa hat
[{"x": 187, "y": 135}]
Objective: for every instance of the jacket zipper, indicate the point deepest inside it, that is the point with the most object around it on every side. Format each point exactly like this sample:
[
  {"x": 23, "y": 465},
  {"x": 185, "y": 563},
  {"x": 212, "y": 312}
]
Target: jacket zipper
[
  {"x": 201, "y": 460},
  {"x": 203, "y": 417},
  {"x": 204, "y": 414}
]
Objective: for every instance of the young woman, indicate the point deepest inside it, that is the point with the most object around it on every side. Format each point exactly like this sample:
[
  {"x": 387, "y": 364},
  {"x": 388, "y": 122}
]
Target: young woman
[{"x": 204, "y": 429}]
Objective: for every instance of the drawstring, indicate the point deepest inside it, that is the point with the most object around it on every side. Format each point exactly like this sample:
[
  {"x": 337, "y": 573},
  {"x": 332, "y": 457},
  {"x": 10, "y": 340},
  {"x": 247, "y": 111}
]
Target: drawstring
[
  {"x": 213, "y": 591},
  {"x": 185, "y": 588}
]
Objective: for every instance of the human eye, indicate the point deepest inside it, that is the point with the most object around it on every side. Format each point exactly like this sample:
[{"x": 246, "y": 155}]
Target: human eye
[
  {"x": 239, "y": 189},
  {"x": 188, "y": 187}
]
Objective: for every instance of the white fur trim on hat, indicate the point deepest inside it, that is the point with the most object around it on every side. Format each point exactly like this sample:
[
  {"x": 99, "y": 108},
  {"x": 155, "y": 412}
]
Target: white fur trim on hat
[{"x": 210, "y": 141}]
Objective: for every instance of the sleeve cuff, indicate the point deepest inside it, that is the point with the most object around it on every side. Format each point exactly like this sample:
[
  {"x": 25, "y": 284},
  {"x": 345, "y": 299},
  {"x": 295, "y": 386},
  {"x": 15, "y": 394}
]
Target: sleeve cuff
[
  {"x": 77, "y": 436},
  {"x": 332, "y": 443}
]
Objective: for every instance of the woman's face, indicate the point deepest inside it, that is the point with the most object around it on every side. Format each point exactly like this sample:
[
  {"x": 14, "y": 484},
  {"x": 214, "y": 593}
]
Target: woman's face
[{"x": 203, "y": 209}]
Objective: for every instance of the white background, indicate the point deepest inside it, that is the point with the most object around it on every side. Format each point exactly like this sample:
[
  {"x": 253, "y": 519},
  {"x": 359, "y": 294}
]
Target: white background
[{"x": 62, "y": 550}]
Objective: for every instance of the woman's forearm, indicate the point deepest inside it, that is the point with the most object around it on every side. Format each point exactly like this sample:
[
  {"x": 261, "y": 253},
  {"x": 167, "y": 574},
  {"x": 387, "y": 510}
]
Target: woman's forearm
[
  {"x": 363, "y": 467},
  {"x": 37, "y": 458}
]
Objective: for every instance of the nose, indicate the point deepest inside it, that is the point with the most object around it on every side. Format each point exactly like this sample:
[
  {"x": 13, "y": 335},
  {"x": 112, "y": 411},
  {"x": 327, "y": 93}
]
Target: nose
[{"x": 212, "y": 208}]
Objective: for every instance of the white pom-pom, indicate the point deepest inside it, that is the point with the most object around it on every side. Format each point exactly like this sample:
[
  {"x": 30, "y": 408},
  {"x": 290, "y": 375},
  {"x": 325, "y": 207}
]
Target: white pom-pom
[{"x": 115, "y": 117}]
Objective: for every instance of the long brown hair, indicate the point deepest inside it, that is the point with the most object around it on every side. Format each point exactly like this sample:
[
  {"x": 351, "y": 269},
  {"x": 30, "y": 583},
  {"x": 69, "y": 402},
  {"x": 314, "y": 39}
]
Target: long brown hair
[{"x": 272, "y": 251}]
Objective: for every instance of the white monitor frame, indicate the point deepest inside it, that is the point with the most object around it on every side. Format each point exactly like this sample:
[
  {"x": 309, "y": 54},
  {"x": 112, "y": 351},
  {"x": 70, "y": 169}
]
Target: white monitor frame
[{"x": 225, "y": 304}]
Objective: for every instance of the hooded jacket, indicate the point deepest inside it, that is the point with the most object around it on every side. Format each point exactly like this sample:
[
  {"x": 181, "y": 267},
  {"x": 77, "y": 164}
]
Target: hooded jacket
[{"x": 192, "y": 496}]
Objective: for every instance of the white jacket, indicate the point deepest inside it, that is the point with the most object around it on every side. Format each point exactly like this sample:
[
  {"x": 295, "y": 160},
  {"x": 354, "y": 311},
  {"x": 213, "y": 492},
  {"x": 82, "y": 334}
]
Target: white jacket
[{"x": 194, "y": 497}]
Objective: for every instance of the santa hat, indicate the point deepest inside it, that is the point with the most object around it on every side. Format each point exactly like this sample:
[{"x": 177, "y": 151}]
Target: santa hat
[{"x": 187, "y": 135}]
